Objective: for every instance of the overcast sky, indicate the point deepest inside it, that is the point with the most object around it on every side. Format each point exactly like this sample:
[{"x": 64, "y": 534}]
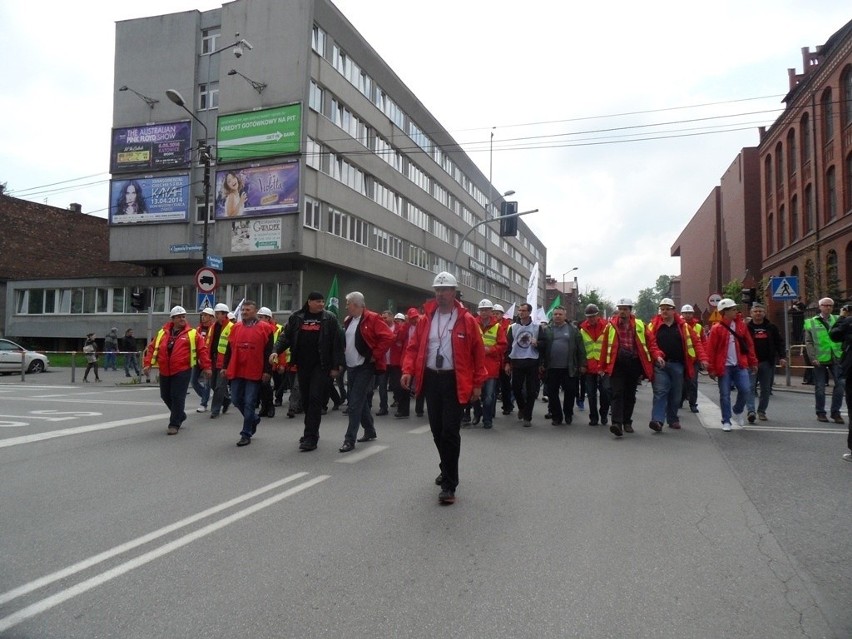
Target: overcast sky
[{"x": 593, "y": 108}]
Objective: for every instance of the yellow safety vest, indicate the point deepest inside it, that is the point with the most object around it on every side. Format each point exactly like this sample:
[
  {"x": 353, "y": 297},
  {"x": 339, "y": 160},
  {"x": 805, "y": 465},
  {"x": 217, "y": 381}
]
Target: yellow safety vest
[
  {"x": 593, "y": 347},
  {"x": 192, "y": 354},
  {"x": 640, "y": 333},
  {"x": 690, "y": 347},
  {"x": 489, "y": 336},
  {"x": 222, "y": 346}
]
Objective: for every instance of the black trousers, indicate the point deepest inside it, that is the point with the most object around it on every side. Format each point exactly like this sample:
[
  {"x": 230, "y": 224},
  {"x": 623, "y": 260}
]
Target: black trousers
[
  {"x": 400, "y": 395},
  {"x": 173, "y": 393},
  {"x": 445, "y": 414},
  {"x": 623, "y": 383},
  {"x": 597, "y": 386},
  {"x": 525, "y": 388},
  {"x": 558, "y": 380},
  {"x": 313, "y": 387}
]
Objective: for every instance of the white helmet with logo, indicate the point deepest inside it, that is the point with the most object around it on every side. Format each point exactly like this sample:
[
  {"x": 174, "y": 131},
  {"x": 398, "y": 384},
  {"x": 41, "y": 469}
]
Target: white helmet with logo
[
  {"x": 725, "y": 303},
  {"x": 667, "y": 301},
  {"x": 499, "y": 308},
  {"x": 177, "y": 310},
  {"x": 486, "y": 303},
  {"x": 264, "y": 311},
  {"x": 399, "y": 316},
  {"x": 687, "y": 308},
  {"x": 208, "y": 311},
  {"x": 445, "y": 280},
  {"x": 221, "y": 308},
  {"x": 625, "y": 301}
]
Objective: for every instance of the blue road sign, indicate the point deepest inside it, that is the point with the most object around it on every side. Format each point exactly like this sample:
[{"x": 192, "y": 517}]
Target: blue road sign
[
  {"x": 205, "y": 300},
  {"x": 185, "y": 248},
  {"x": 215, "y": 262},
  {"x": 784, "y": 288}
]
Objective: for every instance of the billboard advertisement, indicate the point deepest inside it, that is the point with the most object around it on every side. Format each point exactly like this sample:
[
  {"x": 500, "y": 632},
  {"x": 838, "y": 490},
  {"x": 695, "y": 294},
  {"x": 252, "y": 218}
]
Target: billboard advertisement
[
  {"x": 255, "y": 235},
  {"x": 259, "y": 134},
  {"x": 149, "y": 200},
  {"x": 151, "y": 147},
  {"x": 254, "y": 191}
]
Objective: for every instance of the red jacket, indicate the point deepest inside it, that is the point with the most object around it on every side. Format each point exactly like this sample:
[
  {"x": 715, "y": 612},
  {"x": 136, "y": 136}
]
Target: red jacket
[
  {"x": 698, "y": 348},
  {"x": 468, "y": 351},
  {"x": 495, "y": 353},
  {"x": 179, "y": 359},
  {"x": 249, "y": 347},
  {"x": 647, "y": 352},
  {"x": 400, "y": 341},
  {"x": 376, "y": 335},
  {"x": 717, "y": 346}
]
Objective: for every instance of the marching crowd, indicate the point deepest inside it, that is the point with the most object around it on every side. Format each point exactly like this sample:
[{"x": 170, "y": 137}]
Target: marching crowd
[{"x": 457, "y": 363}]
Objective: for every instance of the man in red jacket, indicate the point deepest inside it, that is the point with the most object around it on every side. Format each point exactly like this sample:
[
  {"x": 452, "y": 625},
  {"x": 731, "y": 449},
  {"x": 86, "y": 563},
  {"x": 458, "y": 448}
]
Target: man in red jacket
[
  {"x": 176, "y": 350},
  {"x": 367, "y": 340},
  {"x": 592, "y": 331},
  {"x": 494, "y": 340},
  {"x": 247, "y": 366},
  {"x": 446, "y": 356},
  {"x": 395, "y": 353},
  {"x": 730, "y": 350}
]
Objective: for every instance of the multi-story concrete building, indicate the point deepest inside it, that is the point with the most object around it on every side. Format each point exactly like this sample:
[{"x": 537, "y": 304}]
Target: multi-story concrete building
[
  {"x": 806, "y": 175},
  {"x": 325, "y": 164}
]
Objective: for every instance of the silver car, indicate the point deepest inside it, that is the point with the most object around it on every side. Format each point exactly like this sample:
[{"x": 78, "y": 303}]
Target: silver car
[{"x": 10, "y": 358}]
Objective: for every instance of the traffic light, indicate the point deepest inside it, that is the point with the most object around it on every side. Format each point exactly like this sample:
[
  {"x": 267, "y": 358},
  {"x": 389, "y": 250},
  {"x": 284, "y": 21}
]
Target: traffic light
[
  {"x": 139, "y": 299},
  {"x": 508, "y": 226},
  {"x": 748, "y": 295}
]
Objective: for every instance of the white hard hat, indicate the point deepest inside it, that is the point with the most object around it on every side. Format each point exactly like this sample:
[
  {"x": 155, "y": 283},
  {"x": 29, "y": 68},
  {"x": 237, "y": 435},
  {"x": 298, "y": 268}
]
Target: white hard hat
[
  {"x": 399, "y": 316},
  {"x": 498, "y": 307},
  {"x": 625, "y": 301},
  {"x": 177, "y": 310},
  {"x": 208, "y": 311},
  {"x": 486, "y": 303},
  {"x": 263, "y": 310},
  {"x": 725, "y": 303},
  {"x": 686, "y": 308},
  {"x": 231, "y": 315},
  {"x": 667, "y": 301},
  {"x": 444, "y": 279},
  {"x": 221, "y": 308}
]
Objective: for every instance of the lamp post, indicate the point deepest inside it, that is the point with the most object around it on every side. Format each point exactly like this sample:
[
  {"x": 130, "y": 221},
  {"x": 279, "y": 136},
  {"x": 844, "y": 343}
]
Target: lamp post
[
  {"x": 204, "y": 154},
  {"x": 480, "y": 223}
]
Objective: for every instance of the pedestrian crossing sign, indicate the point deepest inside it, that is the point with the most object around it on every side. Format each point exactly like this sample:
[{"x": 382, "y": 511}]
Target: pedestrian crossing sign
[
  {"x": 205, "y": 300},
  {"x": 784, "y": 288}
]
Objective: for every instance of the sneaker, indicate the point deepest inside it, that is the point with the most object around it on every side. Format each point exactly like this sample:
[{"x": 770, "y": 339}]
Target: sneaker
[
  {"x": 761, "y": 416},
  {"x": 201, "y": 409},
  {"x": 751, "y": 417},
  {"x": 655, "y": 426},
  {"x": 738, "y": 420},
  {"x": 847, "y": 457},
  {"x": 726, "y": 426}
]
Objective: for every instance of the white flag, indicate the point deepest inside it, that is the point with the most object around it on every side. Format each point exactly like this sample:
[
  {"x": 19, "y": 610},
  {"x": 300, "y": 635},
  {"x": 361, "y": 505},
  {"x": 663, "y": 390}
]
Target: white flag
[
  {"x": 510, "y": 314},
  {"x": 532, "y": 288}
]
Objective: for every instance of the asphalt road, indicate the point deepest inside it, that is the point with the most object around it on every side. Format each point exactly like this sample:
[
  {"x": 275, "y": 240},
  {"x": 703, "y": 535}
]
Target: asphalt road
[{"x": 109, "y": 528}]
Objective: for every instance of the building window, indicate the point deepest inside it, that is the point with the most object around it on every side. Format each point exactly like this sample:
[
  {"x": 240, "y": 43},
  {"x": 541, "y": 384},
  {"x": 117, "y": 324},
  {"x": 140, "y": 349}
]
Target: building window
[
  {"x": 809, "y": 208},
  {"x": 779, "y": 166},
  {"x": 830, "y": 195},
  {"x": 794, "y": 219},
  {"x": 313, "y": 154},
  {"x": 417, "y": 217},
  {"x": 318, "y": 40},
  {"x": 315, "y": 97},
  {"x": 805, "y": 128},
  {"x": 848, "y": 184},
  {"x": 846, "y": 89},
  {"x": 418, "y": 256},
  {"x": 792, "y": 153},
  {"x": 200, "y": 207},
  {"x": 782, "y": 228},
  {"x": 209, "y": 40},
  {"x": 827, "y": 117},
  {"x": 767, "y": 176},
  {"x": 208, "y": 96},
  {"x": 770, "y": 235},
  {"x": 312, "y": 213}
]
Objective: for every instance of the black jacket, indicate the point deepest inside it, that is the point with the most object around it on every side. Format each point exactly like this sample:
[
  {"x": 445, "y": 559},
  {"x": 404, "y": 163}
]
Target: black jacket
[
  {"x": 768, "y": 345},
  {"x": 331, "y": 353},
  {"x": 842, "y": 332}
]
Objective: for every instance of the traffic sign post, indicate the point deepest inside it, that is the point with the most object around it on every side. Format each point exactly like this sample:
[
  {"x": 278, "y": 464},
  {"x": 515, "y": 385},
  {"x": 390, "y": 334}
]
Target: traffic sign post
[
  {"x": 205, "y": 300},
  {"x": 206, "y": 280},
  {"x": 784, "y": 288}
]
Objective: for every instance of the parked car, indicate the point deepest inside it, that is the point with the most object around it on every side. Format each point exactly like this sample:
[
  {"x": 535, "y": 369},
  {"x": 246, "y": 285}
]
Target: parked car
[{"x": 10, "y": 358}]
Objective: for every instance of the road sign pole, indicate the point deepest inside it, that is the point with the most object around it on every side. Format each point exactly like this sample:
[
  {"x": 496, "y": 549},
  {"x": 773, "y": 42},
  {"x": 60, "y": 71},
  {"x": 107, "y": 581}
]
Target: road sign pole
[{"x": 787, "y": 341}]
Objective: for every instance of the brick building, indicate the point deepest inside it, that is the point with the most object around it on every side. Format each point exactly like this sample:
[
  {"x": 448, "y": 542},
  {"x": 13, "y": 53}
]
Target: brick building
[{"x": 806, "y": 175}]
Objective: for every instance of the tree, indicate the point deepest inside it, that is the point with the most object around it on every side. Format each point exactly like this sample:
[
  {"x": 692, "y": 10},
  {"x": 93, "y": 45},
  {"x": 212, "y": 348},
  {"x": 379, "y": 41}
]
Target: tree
[
  {"x": 649, "y": 298},
  {"x": 593, "y": 296}
]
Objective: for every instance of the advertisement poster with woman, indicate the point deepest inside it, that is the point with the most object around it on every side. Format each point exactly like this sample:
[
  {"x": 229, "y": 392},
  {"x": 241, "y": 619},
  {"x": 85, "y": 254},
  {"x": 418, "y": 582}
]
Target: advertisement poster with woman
[
  {"x": 255, "y": 191},
  {"x": 149, "y": 200}
]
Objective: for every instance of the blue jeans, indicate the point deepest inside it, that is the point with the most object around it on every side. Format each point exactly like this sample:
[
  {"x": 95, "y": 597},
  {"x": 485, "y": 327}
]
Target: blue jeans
[
  {"x": 764, "y": 376},
  {"x": 110, "y": 360},
  {"x": 361, "y": 380},
  {"x": 200, "y": 385},
  {"x": 739, "y": 378},
  {"x": 131, "y": 360},
  {"x": 244, "y": 395},
  {"x": 489, "y": 401},
  {"x": 668, "y": 386},
  {"x": 821, "y": 373}
]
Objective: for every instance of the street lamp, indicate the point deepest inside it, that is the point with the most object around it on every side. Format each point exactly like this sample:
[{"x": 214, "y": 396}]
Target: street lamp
[
  {"x": 149, "y": 101},
  {"x": 204, "y": 155},
  {"x": 478, "y": 224},
  {"x": 257, "y": 86}
]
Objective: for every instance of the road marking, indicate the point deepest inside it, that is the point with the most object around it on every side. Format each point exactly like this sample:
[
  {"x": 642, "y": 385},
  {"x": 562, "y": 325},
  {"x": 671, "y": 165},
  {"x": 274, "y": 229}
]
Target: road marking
[
  {"x": 87, "y": 401},
  {"x": 351, "y": 458},
  {"x": 38, "y": 437},
  {"x": 420, "y": 430},
  {"x": 93, "y": 582},
  {"x": 139, "y": 541},
  {"x": 711, "y": 417}
]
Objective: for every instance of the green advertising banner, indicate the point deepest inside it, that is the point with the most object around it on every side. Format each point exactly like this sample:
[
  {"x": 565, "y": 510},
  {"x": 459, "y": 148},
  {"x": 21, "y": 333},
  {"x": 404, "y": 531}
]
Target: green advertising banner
[{"x": 259, "y": 134}]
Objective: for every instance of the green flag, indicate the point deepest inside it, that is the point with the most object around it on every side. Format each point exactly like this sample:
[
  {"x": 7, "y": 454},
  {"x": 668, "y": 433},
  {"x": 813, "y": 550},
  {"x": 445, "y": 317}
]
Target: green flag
[
  {"x": 332, "y": 300},
  {"x": 556, "y": 302}
]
